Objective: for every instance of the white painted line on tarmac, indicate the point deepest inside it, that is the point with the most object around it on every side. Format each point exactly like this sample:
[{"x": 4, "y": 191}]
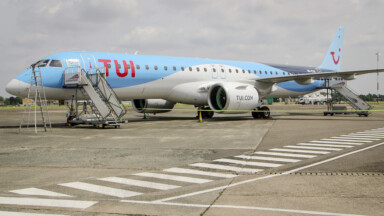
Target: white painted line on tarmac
[
  {"x": 248, "y": 157},
  {"x": 199, "y": 172},
  {"x": 300, "y": 151},
  {"x": 101, "y": 189},
  {"x": 361, "y": 137},
  {"x": 377, "y": 129},
  {"x": 285, "y": 154},
  {"x": 341, "y": 143},
  {"x": 247, "y": 163},
  {"x": 228, "y": 168},
  {"x": 8, "y": 213},
  {"x": 138, "y": 183},
  {"x": 364, "y": 135},
  {"x": 78, "y": 204},
  {"x": 296, "y": 211},
  {"x": 347, "y": 140},
  {"x": 356, "y": 138},
  {"x": 173, "y": 177},
  {"x": 371, "y": 132},
  {"x": 325, "y": 145},
  {"x": 268, "y": 176},
  {"x": 313, "y": 148},
  {"x": 38, "y": 192}
]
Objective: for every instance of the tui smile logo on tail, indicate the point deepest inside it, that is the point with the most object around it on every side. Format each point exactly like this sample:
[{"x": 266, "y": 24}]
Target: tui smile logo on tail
[{"x": 333, "y": 57}]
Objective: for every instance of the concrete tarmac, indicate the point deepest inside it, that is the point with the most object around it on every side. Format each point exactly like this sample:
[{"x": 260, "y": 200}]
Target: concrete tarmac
[{"x": 297, "y": 163}]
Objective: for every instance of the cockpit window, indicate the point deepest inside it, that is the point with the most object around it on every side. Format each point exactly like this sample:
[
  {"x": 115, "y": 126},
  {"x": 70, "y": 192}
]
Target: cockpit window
[
  {"x": 56, "y": 63},
  {"x": 41, "y": 63}
]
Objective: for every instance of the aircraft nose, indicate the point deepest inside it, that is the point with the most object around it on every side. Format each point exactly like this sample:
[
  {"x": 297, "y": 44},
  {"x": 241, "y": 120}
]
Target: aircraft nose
[{"x": 15, "y": 87}]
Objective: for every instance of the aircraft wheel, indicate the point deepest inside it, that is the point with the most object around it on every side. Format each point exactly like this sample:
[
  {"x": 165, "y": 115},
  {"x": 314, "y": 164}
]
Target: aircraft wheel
[
  {"x": 256, "y": 115},
  {"x": 265, "y": 114},
  {"x": 207, "y": 113}
]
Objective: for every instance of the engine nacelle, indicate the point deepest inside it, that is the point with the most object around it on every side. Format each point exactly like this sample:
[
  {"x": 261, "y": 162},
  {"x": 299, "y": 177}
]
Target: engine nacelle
[
  {"x": 152, "y": 105},
  {"x": 232, "y": 98}
]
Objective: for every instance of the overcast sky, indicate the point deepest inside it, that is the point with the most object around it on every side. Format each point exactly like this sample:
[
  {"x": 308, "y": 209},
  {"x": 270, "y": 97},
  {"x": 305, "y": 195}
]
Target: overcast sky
[{"x": 296, "y": 32}]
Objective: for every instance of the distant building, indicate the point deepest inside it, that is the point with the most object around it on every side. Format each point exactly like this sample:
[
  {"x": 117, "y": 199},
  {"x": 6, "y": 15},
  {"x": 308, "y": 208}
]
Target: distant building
[{"x": 26, "y": 101}]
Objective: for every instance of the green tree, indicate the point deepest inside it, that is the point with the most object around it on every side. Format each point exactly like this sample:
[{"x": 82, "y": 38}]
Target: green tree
[
  {"x": 7, "y": 101},
  {"x": 1, "y": 98},
  {"x": 19, "y": 100}
]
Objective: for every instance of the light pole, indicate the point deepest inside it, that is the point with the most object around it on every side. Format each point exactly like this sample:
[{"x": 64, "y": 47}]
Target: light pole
[{"x": 378, "y": 58}]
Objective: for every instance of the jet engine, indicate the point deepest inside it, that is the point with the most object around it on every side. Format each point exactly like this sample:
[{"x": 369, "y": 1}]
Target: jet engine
[
  {"x": 232, "y": 97},
  {"x": 152, "y": 105}
]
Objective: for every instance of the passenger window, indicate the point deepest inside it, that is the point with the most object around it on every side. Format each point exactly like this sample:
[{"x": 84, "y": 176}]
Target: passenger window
[
  {"x": 271, "y": 73},
  {"x": 138, "y": 67},
  {"x": 109, "y": 66},
  {"x": 276, "y": 73},
  {"x": 198, "y": 69},
  {"x": 147, "y": 67},
  {"x": 205, "y": 70},
  {"x": 243, "y": 71},
  {"x": 266, "y": 72},
  {"x": 156, "y": 67},
  {"x": 254, "y": 71},
  {"x": 230, "y": 70},
  {"x": 174, "y": 68},
  {"x": 284, "y": 73},
  {"x": 190, "y": 68},
  {"x": 165, "y": 68},
  {"x": 249, "y": 71},
  {"x": 260, "y": 72},
  {"x": 237, "y": 71},
  {"x": 222, "y": 70},
  {"x": 214, "y": 69},
  {"x": 119, "y": 66},
  {"x": 182, "y": 68},
  {"x": 55, "y": 63}
]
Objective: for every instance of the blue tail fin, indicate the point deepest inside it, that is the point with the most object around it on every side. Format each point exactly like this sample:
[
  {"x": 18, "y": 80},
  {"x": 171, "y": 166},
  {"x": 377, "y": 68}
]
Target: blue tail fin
[{"x": 332, "y": 60}]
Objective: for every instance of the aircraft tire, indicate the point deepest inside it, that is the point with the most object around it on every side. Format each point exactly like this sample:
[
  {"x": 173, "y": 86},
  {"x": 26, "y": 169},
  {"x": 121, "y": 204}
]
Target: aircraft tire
[
  {"x": 265, "y": 114},
  {"x": 256, "y": 115}
]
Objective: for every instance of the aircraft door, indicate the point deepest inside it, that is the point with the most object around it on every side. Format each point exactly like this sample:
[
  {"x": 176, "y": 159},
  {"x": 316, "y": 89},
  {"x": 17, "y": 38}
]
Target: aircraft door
[
  {"x": 89, "y": 62},
  {"x": 215, "y": 71}
]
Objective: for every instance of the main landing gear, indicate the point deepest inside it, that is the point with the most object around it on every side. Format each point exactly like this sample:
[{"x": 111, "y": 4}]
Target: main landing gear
[
  {"x": 262, "y": 112},
  {"x": 206, "y": 113}
]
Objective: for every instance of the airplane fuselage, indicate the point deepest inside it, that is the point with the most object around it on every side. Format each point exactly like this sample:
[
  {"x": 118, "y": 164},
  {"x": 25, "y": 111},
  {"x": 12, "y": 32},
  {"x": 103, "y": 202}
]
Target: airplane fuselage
[{"x": 170, "y": 78}]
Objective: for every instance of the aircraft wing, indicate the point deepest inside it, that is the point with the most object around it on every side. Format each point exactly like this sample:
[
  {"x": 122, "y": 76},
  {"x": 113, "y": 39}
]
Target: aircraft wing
[{"x": 347, "y": 75}]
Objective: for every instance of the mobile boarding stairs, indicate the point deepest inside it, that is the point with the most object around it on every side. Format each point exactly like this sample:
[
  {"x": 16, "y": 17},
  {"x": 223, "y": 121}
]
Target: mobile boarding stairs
[
  {"x": 360, "y": 106},
  {"x": 106, "y": 109}
]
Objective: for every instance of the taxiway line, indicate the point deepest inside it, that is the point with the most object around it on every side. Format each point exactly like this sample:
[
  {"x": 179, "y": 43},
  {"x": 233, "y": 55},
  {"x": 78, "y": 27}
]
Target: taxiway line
[
  {"x": 268, "y": 176},
  {"x": 228, "y": 168},
  {"x": 78, "y": 204},
  {"x": 284, "y": 154},
  {"x": 199, "y": 172},
  {"x": 101, "y": 189},
  {"x": 139, "y": 183},
  {"x": 173, "y": 177},
  {"x": 248, "y": 157},
  {"x": 300, "y": 151},
  {"x": 312, "y": 148},
  {"x": 248, "y": 163},
  {"x": 38, "y": 192}
]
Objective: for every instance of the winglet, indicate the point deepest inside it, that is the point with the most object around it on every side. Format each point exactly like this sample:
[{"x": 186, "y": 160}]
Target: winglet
[{"x": 332, "y": 60}]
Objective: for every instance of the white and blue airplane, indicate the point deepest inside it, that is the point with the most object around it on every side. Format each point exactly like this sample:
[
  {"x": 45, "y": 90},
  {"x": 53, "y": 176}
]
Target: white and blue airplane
[{"x": 214, "y": 85}]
